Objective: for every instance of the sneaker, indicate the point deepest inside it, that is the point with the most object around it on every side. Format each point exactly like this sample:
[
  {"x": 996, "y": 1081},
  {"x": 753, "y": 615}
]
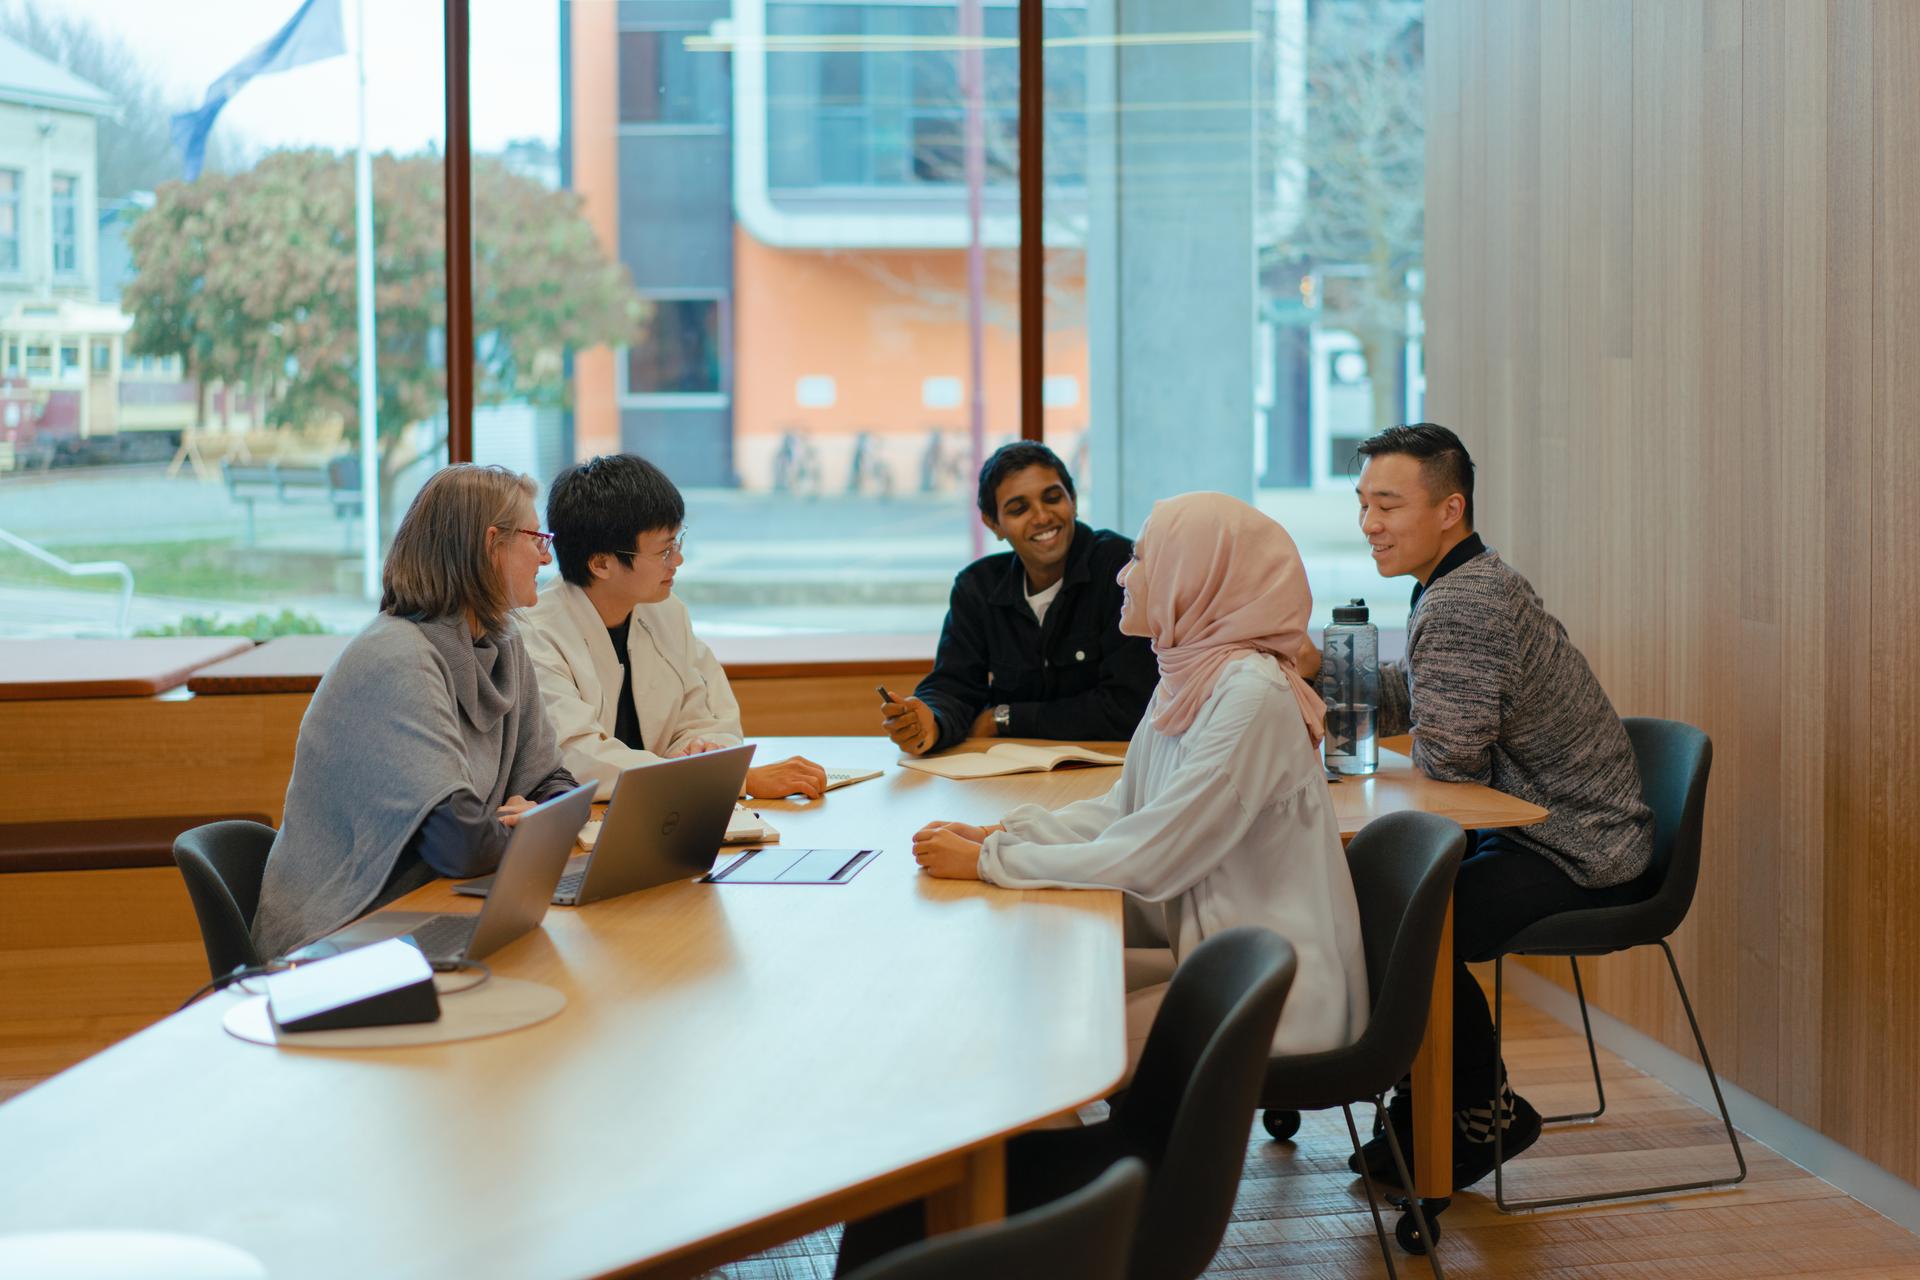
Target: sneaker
[
  {"x": 1473, "y": 1161},
  {"x": 1374, "y": 1155}
]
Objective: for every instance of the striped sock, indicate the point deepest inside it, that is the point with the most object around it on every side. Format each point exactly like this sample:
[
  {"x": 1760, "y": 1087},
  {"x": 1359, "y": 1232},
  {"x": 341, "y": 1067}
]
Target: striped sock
[{"x": 1476, "y": 1123}]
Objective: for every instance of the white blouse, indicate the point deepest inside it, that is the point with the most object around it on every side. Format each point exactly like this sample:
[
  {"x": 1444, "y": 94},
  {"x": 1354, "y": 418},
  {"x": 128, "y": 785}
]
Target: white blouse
[{"x": 1229, "y": 823}]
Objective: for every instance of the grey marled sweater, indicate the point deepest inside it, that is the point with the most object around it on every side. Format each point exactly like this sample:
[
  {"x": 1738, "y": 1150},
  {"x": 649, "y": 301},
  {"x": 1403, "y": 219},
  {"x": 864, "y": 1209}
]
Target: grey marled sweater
[{"x": 1494, "y": 692}]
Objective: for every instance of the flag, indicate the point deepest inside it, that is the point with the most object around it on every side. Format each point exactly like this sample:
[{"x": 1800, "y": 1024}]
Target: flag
[{"x": 315, "y": 32}]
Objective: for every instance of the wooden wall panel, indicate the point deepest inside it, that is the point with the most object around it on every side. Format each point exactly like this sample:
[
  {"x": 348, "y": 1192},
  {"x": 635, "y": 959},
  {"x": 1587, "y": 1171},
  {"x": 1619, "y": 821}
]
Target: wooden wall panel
[
  {"x": 841, "y": 705},
  {"x": 1893, "y": 746},
  {"x": 1674, "y": 292},
  {"x": 87, "y": 958},
  {"x": 1804, "y": 589},
  {"x": 1850, "y": 1014},
  {"x": 86, "y": 758}
]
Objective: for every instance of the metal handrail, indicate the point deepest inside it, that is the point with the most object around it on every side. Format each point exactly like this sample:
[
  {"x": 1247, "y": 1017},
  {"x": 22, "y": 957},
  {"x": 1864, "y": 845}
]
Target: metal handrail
[{"x": 85, "y": 569}]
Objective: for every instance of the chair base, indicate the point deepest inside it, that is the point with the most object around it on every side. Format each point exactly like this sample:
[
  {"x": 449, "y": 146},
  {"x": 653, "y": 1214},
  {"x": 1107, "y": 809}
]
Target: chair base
[
  {"x": 1506, "y": 1205},
  {"x": 1418, "y": 1230},
  {"x": 1280, "y": 1125},
  {"x": 1593, "y": 1060}
]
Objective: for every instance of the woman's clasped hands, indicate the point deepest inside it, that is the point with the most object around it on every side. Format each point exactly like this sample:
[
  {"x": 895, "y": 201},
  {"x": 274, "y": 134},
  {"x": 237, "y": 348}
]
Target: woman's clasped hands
[{"x": 950, "y": 850}]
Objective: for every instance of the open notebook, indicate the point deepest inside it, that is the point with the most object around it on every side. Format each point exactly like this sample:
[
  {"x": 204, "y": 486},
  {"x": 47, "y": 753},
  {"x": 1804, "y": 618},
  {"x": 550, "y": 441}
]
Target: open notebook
[
  {"x": 1009, "y": 757},
  {"x": 744, "y": 827}
]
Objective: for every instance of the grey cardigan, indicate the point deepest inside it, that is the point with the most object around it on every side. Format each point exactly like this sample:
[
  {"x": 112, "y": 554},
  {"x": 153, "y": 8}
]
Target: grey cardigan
[
  {"x": 1494, "y": 692},
  {"x": 410, "y": 714}
]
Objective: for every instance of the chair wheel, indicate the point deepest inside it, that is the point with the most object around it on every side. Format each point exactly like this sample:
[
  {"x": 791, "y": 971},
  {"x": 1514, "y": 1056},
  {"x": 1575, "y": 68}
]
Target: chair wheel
[
  {"x": 1407, "y": 1231},
  {"x": 1281, "y": 1125}
]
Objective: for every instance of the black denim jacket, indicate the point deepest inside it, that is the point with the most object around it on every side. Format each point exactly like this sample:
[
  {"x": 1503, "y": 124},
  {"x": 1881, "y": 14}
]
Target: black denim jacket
[{"x": 1075, "y": 678}]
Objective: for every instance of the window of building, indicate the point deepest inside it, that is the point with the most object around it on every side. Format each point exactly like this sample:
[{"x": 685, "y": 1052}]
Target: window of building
[
  {"x": 39, "y": 358},
  {"x": 9, "y": 220},
  {"x": 678, "y": 350},
  {"x": 663, "y": 82},
  {"x": 66, "y": 224},
  {"x": 895, "y": 115}
]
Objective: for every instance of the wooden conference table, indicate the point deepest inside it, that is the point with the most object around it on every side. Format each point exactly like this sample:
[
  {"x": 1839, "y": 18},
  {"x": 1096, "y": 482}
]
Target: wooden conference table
[{"x": 737, "y": 1065}]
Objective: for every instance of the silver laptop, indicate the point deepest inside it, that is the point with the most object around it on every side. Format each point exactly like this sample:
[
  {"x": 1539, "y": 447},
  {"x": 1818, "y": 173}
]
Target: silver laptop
[
  {"x": 535, "y": 857},
  {"x": 666, "y": 822}
]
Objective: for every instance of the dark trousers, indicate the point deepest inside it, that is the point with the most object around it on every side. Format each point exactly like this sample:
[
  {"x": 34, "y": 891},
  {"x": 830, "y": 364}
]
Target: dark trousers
[{"x": 1503, "y": 887}]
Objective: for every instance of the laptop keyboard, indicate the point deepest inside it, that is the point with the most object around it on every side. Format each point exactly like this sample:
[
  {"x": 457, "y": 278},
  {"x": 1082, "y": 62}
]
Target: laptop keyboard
[
  {"x": 569, "y": 886},
  {"x": 445, "y": 937}
]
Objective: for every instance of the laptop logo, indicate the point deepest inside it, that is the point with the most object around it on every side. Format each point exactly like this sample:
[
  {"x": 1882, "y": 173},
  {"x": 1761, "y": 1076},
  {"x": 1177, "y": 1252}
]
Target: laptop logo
[{"x": 672, "y": 821}]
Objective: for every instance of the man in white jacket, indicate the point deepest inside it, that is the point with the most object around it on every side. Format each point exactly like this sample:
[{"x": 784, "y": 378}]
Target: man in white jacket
[{"x": 624, "y": 679}]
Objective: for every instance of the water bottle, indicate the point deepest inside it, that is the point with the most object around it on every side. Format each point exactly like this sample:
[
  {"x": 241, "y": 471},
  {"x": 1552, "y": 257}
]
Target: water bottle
[{"x": 1350, "y": 683}]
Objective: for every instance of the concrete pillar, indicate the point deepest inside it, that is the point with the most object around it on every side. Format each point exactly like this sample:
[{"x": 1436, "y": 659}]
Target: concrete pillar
[{"x": 1171, "y": 267}]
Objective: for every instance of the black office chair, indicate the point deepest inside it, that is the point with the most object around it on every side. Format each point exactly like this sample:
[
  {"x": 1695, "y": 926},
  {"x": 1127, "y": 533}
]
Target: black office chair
[
  {"x": 1184, "y": 1115},
  {"x": 223, "y": 863},
  {"x": 1084, "y": 1235},
  {"x": 1403, "y": 867},
  {"x": 1674, "y": 761}
]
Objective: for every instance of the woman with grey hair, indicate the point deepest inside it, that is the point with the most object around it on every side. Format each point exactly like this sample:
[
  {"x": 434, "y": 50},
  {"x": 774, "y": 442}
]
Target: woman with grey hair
[{"x": 427, "y": 738}]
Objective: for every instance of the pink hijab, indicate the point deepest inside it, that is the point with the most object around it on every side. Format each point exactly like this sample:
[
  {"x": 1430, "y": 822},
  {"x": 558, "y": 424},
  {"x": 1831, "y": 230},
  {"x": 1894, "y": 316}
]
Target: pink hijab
[{"x": 1216, "y": 579}]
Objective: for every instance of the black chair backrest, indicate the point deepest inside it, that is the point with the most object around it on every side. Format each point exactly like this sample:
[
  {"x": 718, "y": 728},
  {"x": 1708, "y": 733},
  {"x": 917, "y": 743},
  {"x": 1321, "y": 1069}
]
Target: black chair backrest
[
  {"x": 1674, "y": 760},
  {"x": 1192, "y": 1098},
  {"x": 1403, "y": 866},
  {"x": 223, "y": 863},
  {"x": 1084, "y": 1235}
]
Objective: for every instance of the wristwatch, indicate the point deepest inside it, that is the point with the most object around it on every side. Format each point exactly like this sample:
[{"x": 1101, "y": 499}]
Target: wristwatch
[{"x": 1002, "y": 718}]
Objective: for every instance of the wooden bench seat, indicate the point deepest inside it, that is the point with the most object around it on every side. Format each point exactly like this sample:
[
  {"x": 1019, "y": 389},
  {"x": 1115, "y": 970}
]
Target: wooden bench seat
[{"x": 99, "y": 844}]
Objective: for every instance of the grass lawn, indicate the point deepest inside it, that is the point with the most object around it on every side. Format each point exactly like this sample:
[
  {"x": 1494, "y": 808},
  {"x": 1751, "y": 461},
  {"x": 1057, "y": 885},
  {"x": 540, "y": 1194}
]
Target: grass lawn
[{"x": 210, "y": 568}]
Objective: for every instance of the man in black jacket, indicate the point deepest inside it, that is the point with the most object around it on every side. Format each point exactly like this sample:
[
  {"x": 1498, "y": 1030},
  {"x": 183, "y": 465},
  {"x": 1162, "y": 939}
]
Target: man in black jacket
[{"x": 1032, "y": 645}]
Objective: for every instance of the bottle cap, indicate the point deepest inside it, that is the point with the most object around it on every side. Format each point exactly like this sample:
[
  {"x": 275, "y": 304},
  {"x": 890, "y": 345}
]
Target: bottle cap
[{"x": 1354, "y": 611}]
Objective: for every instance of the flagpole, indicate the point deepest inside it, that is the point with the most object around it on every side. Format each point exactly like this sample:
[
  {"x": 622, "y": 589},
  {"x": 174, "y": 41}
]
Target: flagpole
[{"x": 369, "y": 391}]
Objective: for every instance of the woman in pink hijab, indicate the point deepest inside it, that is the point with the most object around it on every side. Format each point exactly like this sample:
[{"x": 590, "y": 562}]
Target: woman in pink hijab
[{"x": 1222, "y": 814}]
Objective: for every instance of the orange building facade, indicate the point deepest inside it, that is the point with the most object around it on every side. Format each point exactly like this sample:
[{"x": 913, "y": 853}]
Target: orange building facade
[
  {"x": 838, "y": 364},
  {"x": 850, "y": 368}
]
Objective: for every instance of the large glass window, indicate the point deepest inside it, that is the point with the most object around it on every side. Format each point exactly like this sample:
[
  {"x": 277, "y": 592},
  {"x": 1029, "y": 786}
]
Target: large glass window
[
  {"x": 9, "y": 220},
  {"x": 661, "y": 82},
  {"x": 795, "y": 334},
  {"x": 1315, "y": 195},
  {"x": 183, "y": 383},
  {"x": 65, "y": 224},
  {"x": 746, "y": 247}
]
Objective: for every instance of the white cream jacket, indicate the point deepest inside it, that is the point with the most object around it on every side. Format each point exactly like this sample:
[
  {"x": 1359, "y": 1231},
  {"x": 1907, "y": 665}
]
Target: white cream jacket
[{"x": 679, "y": 690}]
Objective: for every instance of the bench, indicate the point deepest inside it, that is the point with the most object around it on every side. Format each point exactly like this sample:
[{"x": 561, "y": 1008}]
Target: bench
[
  {"x": 101, "y": 844},
  {"x": 336, "y": 482},
  {"x": 98, "y": 937}
]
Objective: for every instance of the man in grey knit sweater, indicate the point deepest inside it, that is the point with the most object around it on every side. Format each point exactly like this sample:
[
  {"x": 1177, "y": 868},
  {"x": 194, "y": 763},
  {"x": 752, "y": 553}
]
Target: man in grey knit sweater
[{"x": 1494, "y": 692}]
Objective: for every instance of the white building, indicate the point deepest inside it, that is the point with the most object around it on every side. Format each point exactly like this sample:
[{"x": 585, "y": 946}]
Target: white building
[{"x": 49, "y": 197}]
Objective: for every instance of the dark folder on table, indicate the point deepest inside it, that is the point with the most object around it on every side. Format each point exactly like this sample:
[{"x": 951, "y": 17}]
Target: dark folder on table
[{"x": 793, "y": 866}]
